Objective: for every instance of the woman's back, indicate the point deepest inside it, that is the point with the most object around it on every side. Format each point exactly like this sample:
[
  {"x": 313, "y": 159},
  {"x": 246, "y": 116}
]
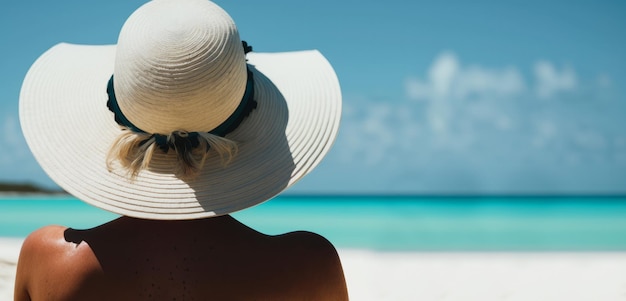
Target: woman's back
[
  {"x": 206, "y": 259},
  {"x": 180, "y": 122}
]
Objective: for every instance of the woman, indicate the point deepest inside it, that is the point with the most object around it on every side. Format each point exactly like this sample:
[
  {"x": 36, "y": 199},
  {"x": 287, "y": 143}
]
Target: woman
[{"x": 174, "y": 128}]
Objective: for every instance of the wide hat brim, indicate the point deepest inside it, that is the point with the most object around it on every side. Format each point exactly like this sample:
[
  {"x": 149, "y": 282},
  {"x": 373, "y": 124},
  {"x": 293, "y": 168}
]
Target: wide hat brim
[{"x": 69, "y": 129}]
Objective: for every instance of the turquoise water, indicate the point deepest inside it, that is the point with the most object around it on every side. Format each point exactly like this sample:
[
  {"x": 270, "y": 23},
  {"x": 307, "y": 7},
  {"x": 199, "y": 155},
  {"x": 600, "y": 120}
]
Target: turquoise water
[{"x": 404, "y": 223}]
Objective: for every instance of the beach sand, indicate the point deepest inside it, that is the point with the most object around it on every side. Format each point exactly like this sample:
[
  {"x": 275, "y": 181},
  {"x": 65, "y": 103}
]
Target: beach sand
[
  {"x": 9, "y": 252},
  {"x": 446, "y": 276},
  {"x": 485, "y": 276}
]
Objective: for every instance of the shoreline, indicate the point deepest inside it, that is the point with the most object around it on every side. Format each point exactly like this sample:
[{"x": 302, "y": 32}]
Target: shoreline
[
  {"x": 27, "y": 195},
  {"x": 388, "y": 275}
]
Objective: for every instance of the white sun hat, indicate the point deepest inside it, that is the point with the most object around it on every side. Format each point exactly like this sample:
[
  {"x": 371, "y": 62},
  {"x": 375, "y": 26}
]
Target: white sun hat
[{"x": 179, "y": 65}]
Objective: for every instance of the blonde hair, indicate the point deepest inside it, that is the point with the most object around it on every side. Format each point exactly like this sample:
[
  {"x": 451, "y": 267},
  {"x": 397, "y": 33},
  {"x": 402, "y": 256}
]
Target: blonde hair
[{"x": 134, "y": 151}]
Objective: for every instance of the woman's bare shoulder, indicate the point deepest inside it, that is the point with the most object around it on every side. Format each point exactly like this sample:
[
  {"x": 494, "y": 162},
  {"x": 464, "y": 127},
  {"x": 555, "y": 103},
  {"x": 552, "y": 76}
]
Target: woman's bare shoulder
[
  {"x": 50, "y": 264},
  {"x": 48, "y": 246},
  {"x": 305, "y": 241},
  {"x": 319, "y": 262},
  {"x": 44, "y": 240},
  {"x": 311, "y": 245}
]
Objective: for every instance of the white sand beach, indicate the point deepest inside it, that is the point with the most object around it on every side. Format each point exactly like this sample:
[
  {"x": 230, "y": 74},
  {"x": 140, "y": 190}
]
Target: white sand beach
[
  {"x": 485, "y": 276},
  {"x": 9, "y": 252},
  {"x": 452, "y": 276}
]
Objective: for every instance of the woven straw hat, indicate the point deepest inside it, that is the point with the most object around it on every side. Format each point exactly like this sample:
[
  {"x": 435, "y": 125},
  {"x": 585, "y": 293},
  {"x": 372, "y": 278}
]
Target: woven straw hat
[{"x": 179, "y": 65}]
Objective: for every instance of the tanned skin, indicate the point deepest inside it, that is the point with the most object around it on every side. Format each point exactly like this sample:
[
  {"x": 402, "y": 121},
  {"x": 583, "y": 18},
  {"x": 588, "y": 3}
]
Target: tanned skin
[{"x": 207, "y": 259}]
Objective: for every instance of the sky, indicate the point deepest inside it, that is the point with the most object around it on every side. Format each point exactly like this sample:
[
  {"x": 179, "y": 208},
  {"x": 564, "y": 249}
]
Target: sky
[{"x": 439, "y": 97}]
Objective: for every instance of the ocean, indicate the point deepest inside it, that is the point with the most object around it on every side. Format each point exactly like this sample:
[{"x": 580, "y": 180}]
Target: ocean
[{"x": 391, "y": 223}]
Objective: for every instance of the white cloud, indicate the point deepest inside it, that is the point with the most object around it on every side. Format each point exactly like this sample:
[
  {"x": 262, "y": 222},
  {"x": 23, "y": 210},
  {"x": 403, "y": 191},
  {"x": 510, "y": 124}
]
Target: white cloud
[
  {"x": 545, "y": 132},
  {"x": 550, "y": 81},
  {"x": 417, "y": 89},
  {"x": 465, "y": 100},
  {"x": 477, "y": 80},
  {"x": 10, "y": 131},
  {"x": 442, "y": 74},
  {"x": 13, "y": 147},
  {"x": 374, "y": 133},
  {"x": 458, "y": 96},
  {"x": 503, "y": 122},
  {"x": 447, "y": 78},
  {"x": 473, "y": 127},
  {"x": 16, "y": 161}
]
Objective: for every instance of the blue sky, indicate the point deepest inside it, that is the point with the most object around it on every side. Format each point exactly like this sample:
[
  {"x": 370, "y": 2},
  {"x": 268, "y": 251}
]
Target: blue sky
[{"x": 439, "y": 96}]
